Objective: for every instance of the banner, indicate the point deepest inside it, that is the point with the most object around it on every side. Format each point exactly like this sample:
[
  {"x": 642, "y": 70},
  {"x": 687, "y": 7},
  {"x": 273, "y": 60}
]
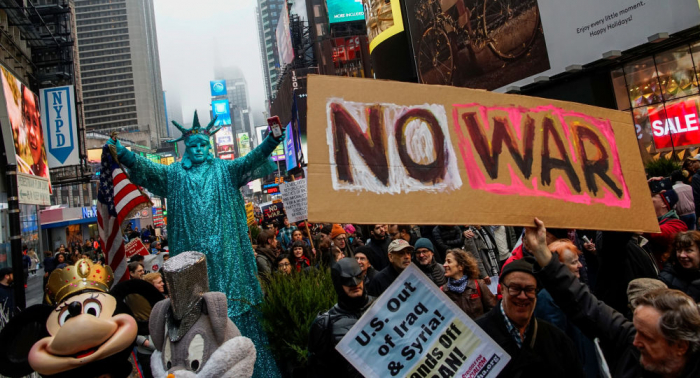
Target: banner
[
  {"x": 295, "y": 200},
  {"x": 285, "y": 51},
  {"x": 58, "y": 115},
  {"x": 414, "y": 330},
  {"x": 402, "y": 153},
  {"x": 33, "y": 190}
]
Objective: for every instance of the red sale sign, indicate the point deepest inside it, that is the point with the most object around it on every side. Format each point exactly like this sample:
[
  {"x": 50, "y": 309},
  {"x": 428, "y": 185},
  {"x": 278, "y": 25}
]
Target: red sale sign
[{"x": 679, "y": 121}]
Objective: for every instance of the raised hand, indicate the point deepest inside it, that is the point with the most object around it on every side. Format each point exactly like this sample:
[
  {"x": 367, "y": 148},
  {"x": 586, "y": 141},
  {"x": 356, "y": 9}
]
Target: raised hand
[{"x": 535, "y": 240}]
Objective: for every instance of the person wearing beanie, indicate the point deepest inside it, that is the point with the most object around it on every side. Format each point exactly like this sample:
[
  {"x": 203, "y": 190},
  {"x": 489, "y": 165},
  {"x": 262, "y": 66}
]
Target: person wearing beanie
[
  {"x": 330, "y": 327},
  {"x": 368, "y": 271},
  {"x": 340, "y": 239},
  {"x": 536, "y": 348},
  {"x": 425, "y": 259},
  {"x": 669, "y": 223}
]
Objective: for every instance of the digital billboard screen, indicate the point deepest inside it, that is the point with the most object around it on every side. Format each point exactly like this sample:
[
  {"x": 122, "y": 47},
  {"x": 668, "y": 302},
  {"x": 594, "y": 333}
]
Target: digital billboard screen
[
  {"x": 290, "y": 151},
  {"x": 345, "y": 10},
  {"x": 278, "y": 153},
  {"x": 221, "y": 110},
  {"x": 218, "y": 88}
]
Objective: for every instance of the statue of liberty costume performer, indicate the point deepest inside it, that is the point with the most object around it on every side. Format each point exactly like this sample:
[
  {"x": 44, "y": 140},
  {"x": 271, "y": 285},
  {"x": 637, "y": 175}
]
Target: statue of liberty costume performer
[{"x": 207, "y": 214}]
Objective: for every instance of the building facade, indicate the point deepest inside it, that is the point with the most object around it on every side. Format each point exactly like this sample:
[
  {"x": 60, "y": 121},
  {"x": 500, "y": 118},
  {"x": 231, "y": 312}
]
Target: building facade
[
  {"x": 122, "y": 88},
  {"x": 268, "y": 13}
]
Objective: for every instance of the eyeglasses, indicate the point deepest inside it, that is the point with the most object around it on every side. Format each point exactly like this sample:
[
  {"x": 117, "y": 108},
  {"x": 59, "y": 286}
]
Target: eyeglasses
[
  {"x": 514, "y": 291},
  {"x": 422, "y": 252},
  {"x": 339, "y": 238},
  {"x": 284, "y": 265}
]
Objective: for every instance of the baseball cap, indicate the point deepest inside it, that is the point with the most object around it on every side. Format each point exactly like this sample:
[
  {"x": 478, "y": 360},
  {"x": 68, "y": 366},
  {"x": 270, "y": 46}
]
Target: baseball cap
[{"x": 398, "y": 245}]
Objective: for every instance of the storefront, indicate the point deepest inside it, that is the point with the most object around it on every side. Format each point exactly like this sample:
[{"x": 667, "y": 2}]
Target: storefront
[{"x": 661, "y": 92}]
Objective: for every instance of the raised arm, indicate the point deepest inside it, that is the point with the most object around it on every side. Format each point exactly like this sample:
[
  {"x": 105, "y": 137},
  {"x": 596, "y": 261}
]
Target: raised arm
[
  {"x": 255, "y": 164},
  {"x": 143, "y": 172}
]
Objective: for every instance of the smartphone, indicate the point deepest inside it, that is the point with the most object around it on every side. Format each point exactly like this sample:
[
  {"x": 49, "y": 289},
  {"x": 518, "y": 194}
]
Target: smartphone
[
  {"x": 586, "y": 239},
  {"x": 275, "y": 126},
  {"x": 660, "y": 185}
]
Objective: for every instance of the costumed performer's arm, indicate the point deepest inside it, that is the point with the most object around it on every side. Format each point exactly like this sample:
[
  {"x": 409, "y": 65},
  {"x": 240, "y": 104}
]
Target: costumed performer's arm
[
  {"x": 255, "y": 164},
  {"x": 143, "y": 172}
]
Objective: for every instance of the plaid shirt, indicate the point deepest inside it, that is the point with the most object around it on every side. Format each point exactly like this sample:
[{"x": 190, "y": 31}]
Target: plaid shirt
[
  {"x": 287, "y": 231},
  {"x": 512, "y": 329}
]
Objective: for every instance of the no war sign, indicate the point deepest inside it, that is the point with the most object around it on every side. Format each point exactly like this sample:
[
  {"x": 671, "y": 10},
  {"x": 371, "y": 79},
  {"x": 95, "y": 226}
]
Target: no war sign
[{"x": 414, "y": 330}]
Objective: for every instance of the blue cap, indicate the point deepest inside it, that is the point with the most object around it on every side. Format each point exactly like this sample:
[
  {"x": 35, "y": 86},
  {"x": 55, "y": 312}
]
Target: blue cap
[{"x": 425, "y": 243}]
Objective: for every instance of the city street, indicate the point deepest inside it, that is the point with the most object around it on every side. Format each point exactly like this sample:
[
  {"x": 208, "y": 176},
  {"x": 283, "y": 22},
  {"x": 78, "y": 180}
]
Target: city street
[{"x": 34, "y": 291}]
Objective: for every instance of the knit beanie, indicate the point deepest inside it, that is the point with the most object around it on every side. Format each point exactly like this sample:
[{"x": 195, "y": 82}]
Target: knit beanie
[
  {"x": 336, "y": 231},
  {"x": 522, "y": 265},
  {"x": 424, "y": 243},
  {"x": 350, "y": 229}
]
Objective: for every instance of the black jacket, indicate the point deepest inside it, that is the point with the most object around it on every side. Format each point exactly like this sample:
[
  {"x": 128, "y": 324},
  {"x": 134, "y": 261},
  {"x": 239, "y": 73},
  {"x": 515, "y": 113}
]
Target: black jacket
[
  {"x": 446, "y": 237},
  {"x": 382, "y": 281},
  {"x": 596, "y": 319},
  {"x": 685, "y": 280},
  {"x": 326, "y": 332},
  {"x": 379, "y": 254},
  {"x": 434, "y": 271},
  {"x": 546, "y": 351}
]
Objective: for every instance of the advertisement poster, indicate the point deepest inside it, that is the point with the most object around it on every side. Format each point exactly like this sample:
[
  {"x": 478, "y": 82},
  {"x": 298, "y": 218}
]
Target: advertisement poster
[
  {"x": 222, "y": 111},
  {"x": 58, "y": 116},
  {"x": 295, "y": 200},
  {"x": 675, "y": 124},
  {"x": 290, "y": 152},
  {"x": 344, "y": 10},
  {"x": 218, "y": 88},
  {"x": 384, "y": 20},
  {"x": 23, "y": 113},
  {"x": 224, "y": 142},
  {"x": 414, "y": 330},
  {"x": 285, "y": 51},
  {"x": 580, "y": 32},
  {"x": 479, "y": 44},
  {"x": 378, "y": 145},
  {"x": 243, "y": 141}
]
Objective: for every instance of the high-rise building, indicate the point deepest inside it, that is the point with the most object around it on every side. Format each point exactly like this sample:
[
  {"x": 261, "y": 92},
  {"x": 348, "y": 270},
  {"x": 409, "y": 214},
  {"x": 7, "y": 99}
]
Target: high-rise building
[
  {"x": 120, "y": 69},
  {"x": 238, "y": 97},
  {"x": 268, "y": 12}
]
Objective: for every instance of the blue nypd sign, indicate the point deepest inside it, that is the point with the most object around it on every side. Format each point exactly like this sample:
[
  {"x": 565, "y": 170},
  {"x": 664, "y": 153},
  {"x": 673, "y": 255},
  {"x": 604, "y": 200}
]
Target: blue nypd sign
[{"x": 60, "y": 126}]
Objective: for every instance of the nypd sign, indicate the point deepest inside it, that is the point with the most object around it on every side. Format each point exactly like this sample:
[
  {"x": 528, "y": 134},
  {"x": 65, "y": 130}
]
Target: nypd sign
[{"x": 60, "y": 126}]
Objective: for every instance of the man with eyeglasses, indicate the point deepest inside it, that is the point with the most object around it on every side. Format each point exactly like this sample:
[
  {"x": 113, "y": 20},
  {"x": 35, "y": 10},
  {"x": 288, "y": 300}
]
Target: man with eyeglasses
[
  {"x": 536, "y": 348},
  {"x": 399, "y": 254},
  {"x": 426, "y": 263}
]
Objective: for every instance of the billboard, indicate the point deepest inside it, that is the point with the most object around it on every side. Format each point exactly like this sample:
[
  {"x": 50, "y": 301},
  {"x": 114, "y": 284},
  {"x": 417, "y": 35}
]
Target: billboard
[
  {"x": 243, "y": 141},
  {"x": 58, "y": 116},
  {"x": 580, "y": 32},
  {"x": 285, "y": 51},
  {"x": 224, "y": 142},
  {"x": 217, "y": 87},
  {"x": 483, "y": 48},
  {"x": 290, "y": 151},
  {"x": 22, "y": 129},
  {"x": 675, "y": 124},
  {"x": 383, "y": 19},
  {"x": 345, "y": 10},
  {"x": 221, "y": 109}
]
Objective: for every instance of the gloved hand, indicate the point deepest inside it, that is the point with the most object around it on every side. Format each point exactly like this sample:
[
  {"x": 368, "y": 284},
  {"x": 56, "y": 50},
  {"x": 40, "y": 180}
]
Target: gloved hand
[{"x": 125, "y": 156}]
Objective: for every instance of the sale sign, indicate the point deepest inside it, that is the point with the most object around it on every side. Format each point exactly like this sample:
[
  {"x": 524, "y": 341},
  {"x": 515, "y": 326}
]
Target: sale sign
[{"x": 675, "y": 124}]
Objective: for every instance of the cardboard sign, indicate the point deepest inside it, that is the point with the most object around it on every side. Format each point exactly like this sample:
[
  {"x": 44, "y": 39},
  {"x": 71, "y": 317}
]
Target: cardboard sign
[
  {"x": 401, "y": 153},
  {"x": 135, "y": 247},
  {"x": 415, "y": 330},
  {"x": 250, "y": 213},
  {"x": 295, "y": 200}
]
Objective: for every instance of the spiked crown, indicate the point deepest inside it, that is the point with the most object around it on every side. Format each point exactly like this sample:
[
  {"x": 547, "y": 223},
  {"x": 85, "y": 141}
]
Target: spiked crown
[{"x": 196, "y": 129}]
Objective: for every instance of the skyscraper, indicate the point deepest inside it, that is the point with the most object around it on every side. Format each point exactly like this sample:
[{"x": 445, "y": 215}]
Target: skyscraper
[
  {"x": 238, "y": 97},
  {"x": 268, "y": 12},
  {"x": 120, "y": 69}
]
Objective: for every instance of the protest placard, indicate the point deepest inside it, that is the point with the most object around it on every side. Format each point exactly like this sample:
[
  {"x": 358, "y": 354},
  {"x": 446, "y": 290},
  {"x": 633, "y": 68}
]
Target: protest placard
[
  {"x": 273, "y": 212},
  {"x": 135, "y": 247},
  {"x": 294, "y": 198},
  {"x": 403, "y": 153},
  {"x": 250, "y": 213},
  {"x": 414, "y": 330}
]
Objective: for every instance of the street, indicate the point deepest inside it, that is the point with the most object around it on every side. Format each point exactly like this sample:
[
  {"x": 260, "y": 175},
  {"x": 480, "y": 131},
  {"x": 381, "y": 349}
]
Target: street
[{"x": 34, "y": 291}]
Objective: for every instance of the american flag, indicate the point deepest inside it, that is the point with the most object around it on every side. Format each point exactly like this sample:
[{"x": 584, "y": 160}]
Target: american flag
[{"x": 118, "y": 199}]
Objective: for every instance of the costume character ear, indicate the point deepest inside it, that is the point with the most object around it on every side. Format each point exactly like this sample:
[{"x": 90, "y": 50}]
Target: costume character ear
[
  {"x": 215, "y": 306},
  {"x": 140, "y": 297},
  {"x": 157, "y": 323},
  {"x": 18, "y": 337}
]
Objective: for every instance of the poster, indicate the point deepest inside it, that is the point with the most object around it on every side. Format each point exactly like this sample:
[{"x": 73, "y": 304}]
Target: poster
[
  {"x": 224, "y": 143},
  {"x": 243, "y": 141},
  {"x": 384, "y": 20},
  {"x": 415, "y": 330},
  {"x": 580, "y": 32},
  {"x": 502, "y": 159},
  {"x": 295, "y": 200},
  {"x": 23, "y": 114},
  {"x": 58, "y": 116},
  {"x": 476, "y": 44}
]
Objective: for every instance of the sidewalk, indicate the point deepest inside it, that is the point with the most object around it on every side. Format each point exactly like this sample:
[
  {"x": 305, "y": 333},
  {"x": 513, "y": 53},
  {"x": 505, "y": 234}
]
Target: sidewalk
[{"x": 34, "y": 290}]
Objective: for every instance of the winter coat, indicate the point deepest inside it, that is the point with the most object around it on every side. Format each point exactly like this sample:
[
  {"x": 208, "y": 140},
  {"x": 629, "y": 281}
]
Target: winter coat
[
  {"x": 265, "y": 260},
  {"x": 446, "y": 237},
  {"x": 369, "y": 276},
  {"x": 475, "y": 300},
  {"x": 379, "y": 255},
  {"x": 382, "y": 281},
  {"x": 622, "y": 260},
  {"x": 596, "y": 319},
  {"x": 685, "y": 280},
  {"x": 434, "y": 271},
  {"x": 478, "y": 248},
  {"x": 546, "y": 351}
]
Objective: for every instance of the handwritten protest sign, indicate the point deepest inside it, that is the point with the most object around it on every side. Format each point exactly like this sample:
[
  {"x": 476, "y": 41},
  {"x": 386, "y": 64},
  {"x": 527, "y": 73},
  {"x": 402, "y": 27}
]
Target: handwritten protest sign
[
  {"x": 407, "y": 153},
  {"x": 294, "y": 198},
  {"x": 135, "y": 247},
  {"x": 414, "y": 330}
]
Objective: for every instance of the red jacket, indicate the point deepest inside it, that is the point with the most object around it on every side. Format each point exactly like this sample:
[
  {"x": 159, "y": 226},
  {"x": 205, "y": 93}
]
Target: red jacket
[
  {"x": 660, "y": 244},
  {"x": 517, "y": 254}
]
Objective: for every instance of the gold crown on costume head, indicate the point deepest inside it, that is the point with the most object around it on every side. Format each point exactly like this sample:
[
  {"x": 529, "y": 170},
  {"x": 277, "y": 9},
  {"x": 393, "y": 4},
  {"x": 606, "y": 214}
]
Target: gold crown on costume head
[{"x": 72, "y": 279}]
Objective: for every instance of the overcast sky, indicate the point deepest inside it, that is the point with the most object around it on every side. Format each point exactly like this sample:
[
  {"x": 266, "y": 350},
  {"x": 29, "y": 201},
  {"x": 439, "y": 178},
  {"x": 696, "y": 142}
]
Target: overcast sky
[{"x": 191, "y": 35}]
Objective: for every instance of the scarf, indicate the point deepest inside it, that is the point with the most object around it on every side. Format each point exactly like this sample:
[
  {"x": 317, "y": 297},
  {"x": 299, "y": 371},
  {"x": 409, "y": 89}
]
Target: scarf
[
  {"x": 302, "y": 262},
  {"x": 457, "y": 286}
]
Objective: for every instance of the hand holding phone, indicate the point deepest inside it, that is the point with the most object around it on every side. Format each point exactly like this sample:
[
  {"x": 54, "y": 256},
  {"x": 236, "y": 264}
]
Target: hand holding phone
[{"x": 275, "y": 126}]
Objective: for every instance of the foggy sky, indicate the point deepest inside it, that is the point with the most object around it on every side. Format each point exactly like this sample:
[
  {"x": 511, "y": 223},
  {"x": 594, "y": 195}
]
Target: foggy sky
[{"x": 192, "y": 35}]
